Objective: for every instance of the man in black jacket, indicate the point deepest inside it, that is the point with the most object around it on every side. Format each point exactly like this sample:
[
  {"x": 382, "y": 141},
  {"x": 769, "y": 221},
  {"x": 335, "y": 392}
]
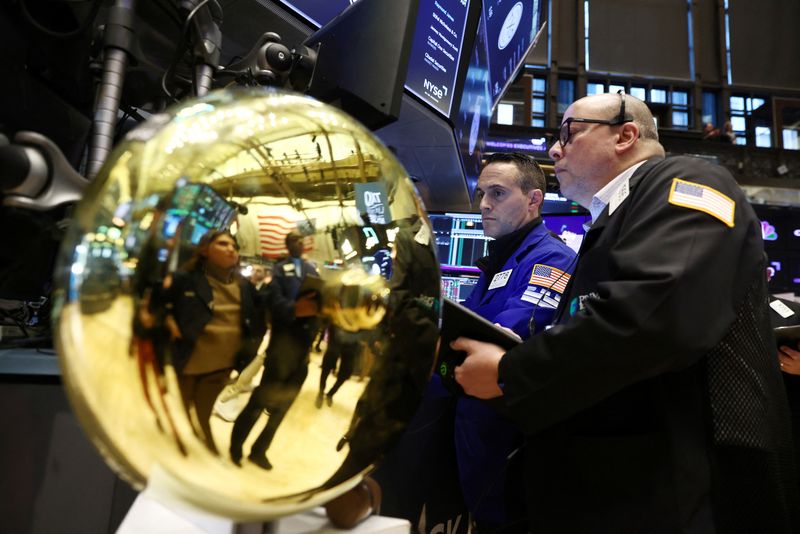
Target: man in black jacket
[
  {"x": 294, "y": 326},
  {"x": 655, "y": 404}
]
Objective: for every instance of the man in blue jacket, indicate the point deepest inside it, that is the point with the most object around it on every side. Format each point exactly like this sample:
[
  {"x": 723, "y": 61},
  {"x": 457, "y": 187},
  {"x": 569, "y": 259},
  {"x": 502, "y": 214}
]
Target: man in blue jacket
[{"x": 520, "y": 286}]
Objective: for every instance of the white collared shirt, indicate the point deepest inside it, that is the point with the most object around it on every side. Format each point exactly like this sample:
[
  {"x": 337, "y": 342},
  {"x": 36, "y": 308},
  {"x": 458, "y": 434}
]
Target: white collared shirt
[{"x": 601, "y": 199}]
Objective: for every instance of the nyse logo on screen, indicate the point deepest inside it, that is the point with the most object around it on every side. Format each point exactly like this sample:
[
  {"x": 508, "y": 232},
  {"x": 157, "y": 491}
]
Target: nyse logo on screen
[{"x": 434, "y": 89}]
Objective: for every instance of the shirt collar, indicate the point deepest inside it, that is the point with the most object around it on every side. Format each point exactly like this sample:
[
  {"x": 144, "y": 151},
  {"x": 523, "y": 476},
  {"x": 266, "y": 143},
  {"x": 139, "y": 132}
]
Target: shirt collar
[{"x": 601, "y": 199}]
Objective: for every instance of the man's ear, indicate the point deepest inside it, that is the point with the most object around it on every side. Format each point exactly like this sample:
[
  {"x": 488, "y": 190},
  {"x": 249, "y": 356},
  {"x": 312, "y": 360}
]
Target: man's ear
[
  {"x": 628, "y": 135},
  {"x": 535, "y": 198}
]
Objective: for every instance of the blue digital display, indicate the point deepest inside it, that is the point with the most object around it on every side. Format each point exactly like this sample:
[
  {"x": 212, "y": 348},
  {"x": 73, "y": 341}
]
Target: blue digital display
[
  {"x": 511, "y": 26},
  {"x": 472, "y": 121},
  {"x": 436, "y": 52}
]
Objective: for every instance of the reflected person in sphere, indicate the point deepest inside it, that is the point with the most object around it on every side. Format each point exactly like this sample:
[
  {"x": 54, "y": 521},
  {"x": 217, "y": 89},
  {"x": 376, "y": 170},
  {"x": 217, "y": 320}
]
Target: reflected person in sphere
[
  {"x": 228, "y": 408},
  {"x": 294, "y": 326},
  {"x": 655, "y": 403},
  {"x": 212, "y": 320},
  {"x": 404, "y": 364},
  {"x": 343, "y": 348}
]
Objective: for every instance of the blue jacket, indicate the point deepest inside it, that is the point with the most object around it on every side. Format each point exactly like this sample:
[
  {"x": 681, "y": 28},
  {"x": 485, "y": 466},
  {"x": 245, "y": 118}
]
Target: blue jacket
[{"x": 539, "y": 270}]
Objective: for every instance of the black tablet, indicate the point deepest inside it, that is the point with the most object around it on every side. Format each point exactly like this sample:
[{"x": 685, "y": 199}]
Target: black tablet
[
  {"x": 787, "y": 335},
  {"x": 459, "y": 321}
]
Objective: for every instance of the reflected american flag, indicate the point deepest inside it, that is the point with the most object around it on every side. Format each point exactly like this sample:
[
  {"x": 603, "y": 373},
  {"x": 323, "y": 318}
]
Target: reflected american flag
[{"x": 272, "y": 231}]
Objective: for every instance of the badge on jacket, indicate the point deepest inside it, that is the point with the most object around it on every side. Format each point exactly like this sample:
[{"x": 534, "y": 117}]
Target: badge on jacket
[{"x": 500, "y": 279}]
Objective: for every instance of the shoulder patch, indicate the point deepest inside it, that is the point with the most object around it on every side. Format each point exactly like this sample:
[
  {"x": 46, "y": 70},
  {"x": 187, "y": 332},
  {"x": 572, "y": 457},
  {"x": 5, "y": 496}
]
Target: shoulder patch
[
  {"x": 702, "y": 198},
  {"x": 549, "y": 277}
]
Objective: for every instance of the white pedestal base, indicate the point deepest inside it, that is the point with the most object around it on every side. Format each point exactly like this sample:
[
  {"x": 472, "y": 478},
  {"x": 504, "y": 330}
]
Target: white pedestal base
[{"x": 149, "y": 515}]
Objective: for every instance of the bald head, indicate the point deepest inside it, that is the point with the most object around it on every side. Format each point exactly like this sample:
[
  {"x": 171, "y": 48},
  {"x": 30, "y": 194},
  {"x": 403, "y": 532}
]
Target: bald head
[
  {"x": 598, "y": 145},
  {"x": 609, "y": 105}
]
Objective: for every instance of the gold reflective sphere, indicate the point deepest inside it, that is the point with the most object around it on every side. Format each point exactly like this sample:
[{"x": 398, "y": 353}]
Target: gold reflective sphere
[{"x": 196, "y": 382}]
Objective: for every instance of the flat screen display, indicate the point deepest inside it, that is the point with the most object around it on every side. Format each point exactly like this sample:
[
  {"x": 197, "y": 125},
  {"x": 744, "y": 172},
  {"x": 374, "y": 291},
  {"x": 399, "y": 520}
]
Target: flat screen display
[
  {"x": 458, "y": 287},
  {"x": 472, "y": 121},
  {"x": 780, "y": 229},
  {"x": 194, "y": 210},
  {"x": 511, "y": 26},
  {"x": 459, "y": 241},
  {"x": 436, "y": 52},
  {"x": 558, "y": 205}
]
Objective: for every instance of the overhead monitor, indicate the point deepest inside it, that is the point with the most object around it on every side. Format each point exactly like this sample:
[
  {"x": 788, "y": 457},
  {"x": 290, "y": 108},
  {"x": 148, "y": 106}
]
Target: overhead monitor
[
  {"x": 472, "y": 120},
  {"x": 436, "y": 52},
  {"x": 362, "y": 56},
  {"x": 511, "y": 28}
]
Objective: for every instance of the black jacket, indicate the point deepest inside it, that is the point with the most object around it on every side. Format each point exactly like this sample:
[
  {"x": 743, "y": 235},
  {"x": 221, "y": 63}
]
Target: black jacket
[
  {"x": 291, "y": 337},
  {"x": 656, "y": 404}
]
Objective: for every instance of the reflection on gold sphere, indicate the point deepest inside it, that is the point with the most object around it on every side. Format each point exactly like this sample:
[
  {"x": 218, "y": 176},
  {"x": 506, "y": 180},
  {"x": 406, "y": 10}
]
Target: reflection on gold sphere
[{"x": 212, "y": 391}]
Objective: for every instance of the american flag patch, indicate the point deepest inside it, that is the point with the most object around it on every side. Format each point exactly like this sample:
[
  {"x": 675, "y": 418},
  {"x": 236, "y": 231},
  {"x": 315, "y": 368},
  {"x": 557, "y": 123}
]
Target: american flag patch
[
  {"x": 549, "y": 277},
  {"x": 702, "y": 198}
]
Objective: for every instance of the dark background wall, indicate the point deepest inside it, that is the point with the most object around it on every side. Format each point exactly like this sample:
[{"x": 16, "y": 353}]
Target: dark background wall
[{"x": 679, "y": 45}]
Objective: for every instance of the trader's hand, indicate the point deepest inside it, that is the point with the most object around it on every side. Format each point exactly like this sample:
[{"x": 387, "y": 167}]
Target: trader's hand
[
  {"x": 790, "y": 360},
  {"x": 478, "y": 374},
  {"x": 508, "y": 330},
  {"x": 306, "y": 305},
  {"x": 172, "y": 326}
]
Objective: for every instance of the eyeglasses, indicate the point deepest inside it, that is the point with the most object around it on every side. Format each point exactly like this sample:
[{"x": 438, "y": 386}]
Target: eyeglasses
[{"x": 565, "y": 132}]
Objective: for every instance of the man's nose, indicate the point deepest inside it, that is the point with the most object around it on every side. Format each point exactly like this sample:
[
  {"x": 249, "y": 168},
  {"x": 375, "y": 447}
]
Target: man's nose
[{"x": 555, "y": 150}]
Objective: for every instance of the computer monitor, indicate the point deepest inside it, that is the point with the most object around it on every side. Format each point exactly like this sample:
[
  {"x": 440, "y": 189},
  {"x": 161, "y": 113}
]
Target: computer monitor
[
  {"x": 555, "y": 204},
  {"x": 196, "y": 209},
  {"x": 780, "y": 229},
  {"x": 457, "y": 287},
  {"x": 459, "y": 241}
]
